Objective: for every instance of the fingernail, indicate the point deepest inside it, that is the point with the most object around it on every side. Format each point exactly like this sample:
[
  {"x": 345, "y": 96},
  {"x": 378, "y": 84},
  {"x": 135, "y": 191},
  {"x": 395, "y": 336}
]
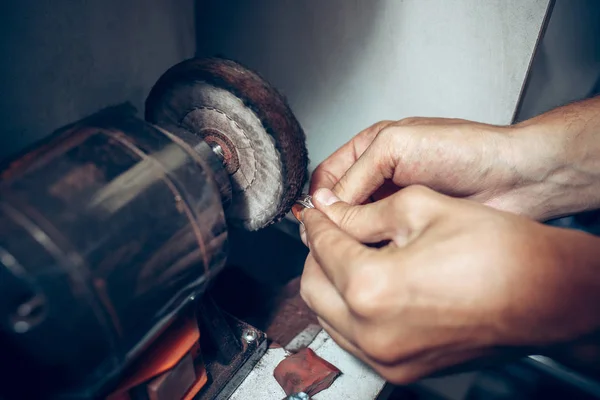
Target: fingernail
[
  {"x": 325, "y": 197},
  {"x": 297, "y": 212}
]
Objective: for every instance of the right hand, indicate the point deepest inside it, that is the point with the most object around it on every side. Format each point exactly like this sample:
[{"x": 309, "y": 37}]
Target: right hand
[
  {"x": 486, "y": 163},
  {"x": 456, "y": 282}
]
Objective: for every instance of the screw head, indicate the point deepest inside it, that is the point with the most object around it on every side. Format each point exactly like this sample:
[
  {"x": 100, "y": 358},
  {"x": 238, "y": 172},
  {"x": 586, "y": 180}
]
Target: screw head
[
  {"x": 249, "y": 335},
  {"x": 218, "y": 150}
]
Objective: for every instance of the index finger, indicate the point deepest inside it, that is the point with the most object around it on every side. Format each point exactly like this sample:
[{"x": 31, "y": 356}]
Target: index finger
[
  {"x": 338, "y": 253},
  {"x": 330, "y": 171}
]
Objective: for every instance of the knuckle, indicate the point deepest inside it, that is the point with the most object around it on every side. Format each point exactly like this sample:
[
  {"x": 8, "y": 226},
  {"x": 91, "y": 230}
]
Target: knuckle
[
  {"x": 388, "y": 144},
  {"x": 418, "y": 192},
  {"x": 386, "y": 136},
  {"x": 379, "y": 126},
  {"x": 420, "y": 200},
  {"x": 365, "y": 293},
  {"x": 374, "y": 130},
  {"x": 414, "y": 197},
  {"x": 363, "y": 302},
  {"x": 409, "y": 121}
]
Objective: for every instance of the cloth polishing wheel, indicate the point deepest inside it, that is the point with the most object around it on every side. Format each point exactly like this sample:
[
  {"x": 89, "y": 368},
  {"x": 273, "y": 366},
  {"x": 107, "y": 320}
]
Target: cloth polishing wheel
[{"x": 251, "y": 126}]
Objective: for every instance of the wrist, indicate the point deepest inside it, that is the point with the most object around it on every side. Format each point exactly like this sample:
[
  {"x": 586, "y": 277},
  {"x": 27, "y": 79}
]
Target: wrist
[
  {"x": 535, "y": 162},
  {"x": 556, "y": 162}
]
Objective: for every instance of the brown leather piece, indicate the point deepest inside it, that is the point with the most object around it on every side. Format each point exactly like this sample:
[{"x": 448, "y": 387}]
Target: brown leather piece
[{"x": 305, "y": 372}]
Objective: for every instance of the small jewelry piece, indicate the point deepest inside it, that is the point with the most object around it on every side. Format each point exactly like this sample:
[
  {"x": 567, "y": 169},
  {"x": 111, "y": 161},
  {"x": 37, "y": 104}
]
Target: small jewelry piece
[{"x": 303, "y": 202}]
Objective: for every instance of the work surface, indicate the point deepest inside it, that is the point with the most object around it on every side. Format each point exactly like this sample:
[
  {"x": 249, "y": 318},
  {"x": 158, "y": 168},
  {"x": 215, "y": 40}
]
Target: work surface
[
  {"x": 356, "y": 382},
  {"x": 265, "y": 266}
]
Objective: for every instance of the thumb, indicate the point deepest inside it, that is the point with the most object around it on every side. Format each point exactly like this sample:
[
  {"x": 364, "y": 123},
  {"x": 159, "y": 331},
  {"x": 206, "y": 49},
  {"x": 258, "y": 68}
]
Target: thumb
[
  {"x": 369, "y": 223},
  {"x": 399, "y": 217}
]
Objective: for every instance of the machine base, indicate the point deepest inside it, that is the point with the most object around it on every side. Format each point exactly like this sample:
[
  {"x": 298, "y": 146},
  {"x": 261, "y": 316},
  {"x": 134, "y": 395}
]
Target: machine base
[{"x": 230, "y": 349}]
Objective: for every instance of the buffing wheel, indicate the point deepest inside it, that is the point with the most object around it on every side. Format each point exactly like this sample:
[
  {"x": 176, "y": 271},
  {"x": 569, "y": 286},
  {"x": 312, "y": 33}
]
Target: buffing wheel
[{"x": 260, "y": 140}]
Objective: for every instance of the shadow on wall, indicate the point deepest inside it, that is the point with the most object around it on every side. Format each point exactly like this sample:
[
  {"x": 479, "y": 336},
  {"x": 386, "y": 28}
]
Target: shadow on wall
[
  {"x": 296, "y": 45},
  {"x": 63, "y": 59},
  {"x": 566, "y": 66}
]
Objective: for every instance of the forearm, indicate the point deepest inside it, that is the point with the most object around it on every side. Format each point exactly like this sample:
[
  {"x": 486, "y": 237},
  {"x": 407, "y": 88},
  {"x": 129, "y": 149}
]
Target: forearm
[
  {"x": 577, "y": 295},
  {"x": 560, "y": 155}
]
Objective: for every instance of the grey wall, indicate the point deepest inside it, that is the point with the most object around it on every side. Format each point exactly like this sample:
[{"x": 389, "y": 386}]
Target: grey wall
[
  {"x": 345, "y": 64},
  {"x": 63, "y": 59}
]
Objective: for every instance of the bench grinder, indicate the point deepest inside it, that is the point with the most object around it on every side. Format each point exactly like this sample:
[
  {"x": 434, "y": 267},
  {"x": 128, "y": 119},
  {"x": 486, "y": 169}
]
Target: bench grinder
[{"x": 111, "y": 227}]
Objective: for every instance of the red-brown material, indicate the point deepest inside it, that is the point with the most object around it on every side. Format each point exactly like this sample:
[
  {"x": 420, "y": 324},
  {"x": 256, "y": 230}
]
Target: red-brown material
[
  {"x": 290, "y": 316},
  {"x": 297, "y": 211},
  {"x": 305, "y": 372}
]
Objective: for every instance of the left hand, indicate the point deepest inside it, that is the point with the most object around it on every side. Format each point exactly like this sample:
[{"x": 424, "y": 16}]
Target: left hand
[{"x": 457, "y": 281}]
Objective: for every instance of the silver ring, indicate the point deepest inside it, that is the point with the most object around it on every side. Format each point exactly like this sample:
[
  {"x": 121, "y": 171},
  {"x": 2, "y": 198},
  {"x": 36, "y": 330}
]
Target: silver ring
[{"x": 306, "y": 201}]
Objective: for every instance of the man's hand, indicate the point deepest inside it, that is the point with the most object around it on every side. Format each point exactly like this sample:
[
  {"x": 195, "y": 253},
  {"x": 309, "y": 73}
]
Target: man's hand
[
  {"x": 455, "y": 281},
  {"x": 543, "y": 168},
  {"x": 455, "y": 157}
]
